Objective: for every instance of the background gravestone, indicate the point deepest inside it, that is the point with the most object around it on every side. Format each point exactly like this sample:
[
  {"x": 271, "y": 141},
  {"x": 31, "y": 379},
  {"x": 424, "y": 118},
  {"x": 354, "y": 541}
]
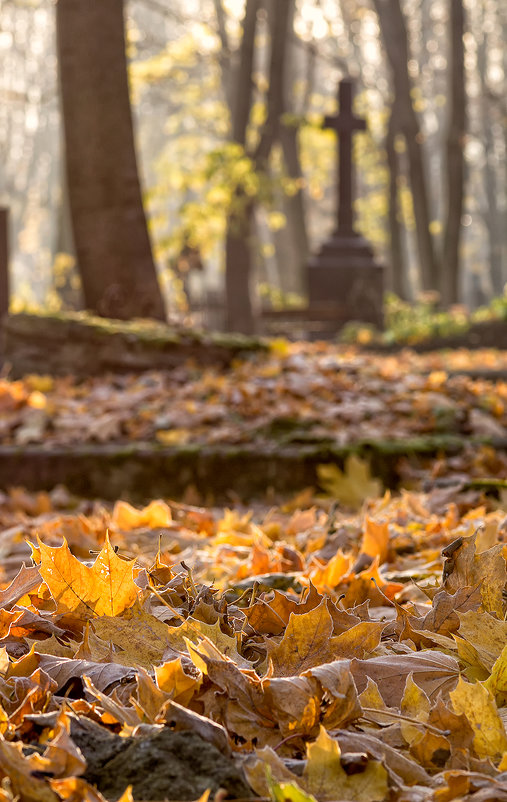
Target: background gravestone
[{"x": 344, "y": 274}]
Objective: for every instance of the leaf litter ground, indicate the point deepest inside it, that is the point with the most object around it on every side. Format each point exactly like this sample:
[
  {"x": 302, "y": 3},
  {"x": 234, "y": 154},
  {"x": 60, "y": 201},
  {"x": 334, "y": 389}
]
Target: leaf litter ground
[
  {"x": 300, "y": 652},
  {"x": 295, "y": 393},
  {"x": 347, "y": 647}
]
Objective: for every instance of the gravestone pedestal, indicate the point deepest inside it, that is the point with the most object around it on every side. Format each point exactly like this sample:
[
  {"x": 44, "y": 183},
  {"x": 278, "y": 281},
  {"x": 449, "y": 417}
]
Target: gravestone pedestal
[{"x": 344, "y": 276}]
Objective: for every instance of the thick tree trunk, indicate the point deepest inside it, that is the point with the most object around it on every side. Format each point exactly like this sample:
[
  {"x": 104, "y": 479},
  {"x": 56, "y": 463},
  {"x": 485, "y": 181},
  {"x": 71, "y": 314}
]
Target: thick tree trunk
[
  {"x": 238, "y": 253},
  {"x": 396, "y": 273},
  {"x": 295, "y": 211},
  {"x": 4, "y": 263},
  {"x": 455, "y": 173},
  {"x": 394, "y": 34},
  {"x": 294, "y": 205},
  {"x": 492, "y": 214},
  {"x": 111, "y": 237}
]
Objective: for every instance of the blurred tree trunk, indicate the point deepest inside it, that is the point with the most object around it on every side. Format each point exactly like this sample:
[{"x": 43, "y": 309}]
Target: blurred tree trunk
[
  {"x": 492, "y": 214},
  {"x": 295, "y": 211},
  {"x": 396, "y": 273},
  {"x": 240, "y": 240},
  {"x": 455, "y": 166},
  {"x": 111, "y": 237},
  {"x": 238, "y": 247},
  {"x": 394, "y": 33},
  {"x": 294, "y": 204}
]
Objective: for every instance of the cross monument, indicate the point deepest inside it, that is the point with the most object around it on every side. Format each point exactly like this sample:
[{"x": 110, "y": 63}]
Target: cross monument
[
  {"x": 343, "y": 277},
  {"x": 345, "y": 123}
]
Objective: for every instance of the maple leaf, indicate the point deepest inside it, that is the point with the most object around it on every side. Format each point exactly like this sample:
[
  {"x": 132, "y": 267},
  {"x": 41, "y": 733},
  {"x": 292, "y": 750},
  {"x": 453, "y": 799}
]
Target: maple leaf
[
  {"x": 486, "y": 569},
  {"x": 305, "y": 642},
  {"x": 22, "y": 773},
  {"x": 352, "y": 486},
  {"x": 476, "y": 702},
  {"x": 326, "y": 779},
  {"x": 105, "y": 588}
]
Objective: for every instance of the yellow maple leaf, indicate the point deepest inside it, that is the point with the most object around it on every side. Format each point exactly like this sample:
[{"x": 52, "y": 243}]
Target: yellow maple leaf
[
  {"x": 105, "y": 588},
  {"x": 305, "y": 643},
  {"x": 326, "y": 779},
  {"x": 478, "y": 705},
  {"x": 415, "y": 704},
  {"x": 497, "y": 682},
  {"x": 352, "y": 485},
  {"x": 156, "y": 514}
]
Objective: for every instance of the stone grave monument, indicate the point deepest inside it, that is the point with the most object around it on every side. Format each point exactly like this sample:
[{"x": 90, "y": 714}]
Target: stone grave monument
[{"x": 344, "y": 280}]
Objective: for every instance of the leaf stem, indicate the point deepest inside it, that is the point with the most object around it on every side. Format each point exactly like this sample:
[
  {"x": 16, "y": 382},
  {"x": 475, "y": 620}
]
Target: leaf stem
[{"x": 400, "y": 717}]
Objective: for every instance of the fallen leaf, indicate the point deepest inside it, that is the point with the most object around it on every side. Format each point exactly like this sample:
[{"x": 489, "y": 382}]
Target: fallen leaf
[
  {"x": 478, "y": 705},
  {"x": 105, "y": 588},
  {"x": 325, "y": 778},
  {"x": 305, "y": 642},
  {"x": 352, "y": 485}
]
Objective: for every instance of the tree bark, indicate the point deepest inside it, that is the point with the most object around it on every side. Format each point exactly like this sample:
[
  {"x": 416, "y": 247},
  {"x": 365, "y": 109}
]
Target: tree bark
[
  {"x": 295, "y": 210},
  {"x": 110, "y": 232},
  {"x": 394, "y": 33},
  {"x": 4, "y": 264},
  {"x": 455, "y": 166},
  {"x": 396, "y": 274},
  {"x": 240, "y": 245},
  {"x": 492, "y": 214},
  {"x": 294, "y": 205},
  {"x": 238, "y": 253}
]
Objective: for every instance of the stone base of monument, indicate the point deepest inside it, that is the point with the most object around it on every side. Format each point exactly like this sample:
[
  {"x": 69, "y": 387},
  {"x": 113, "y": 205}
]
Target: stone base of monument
[{"x": 345, "y": 276}]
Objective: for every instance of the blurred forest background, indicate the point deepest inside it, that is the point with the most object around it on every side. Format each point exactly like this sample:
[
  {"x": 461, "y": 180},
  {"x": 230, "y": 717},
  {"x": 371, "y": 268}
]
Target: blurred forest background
[{"x": 431, "y": 80}]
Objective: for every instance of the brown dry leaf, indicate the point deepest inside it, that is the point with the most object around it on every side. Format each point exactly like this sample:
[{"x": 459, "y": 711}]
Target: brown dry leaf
[
  {"x": 126, "y": 716},
  {"x": 194, "y": 631},
  {"x": 26, "y": 580},
  {"x": 433, "y": 671},
  {"x": 64, "y": 757},
  {"x": 241, "y": 704},
  {"x": 305, "y": 642},
  {"x": 140, "y": 638},
  {"x": 22, "y": 775},
  {"x": 338, "y": 689},
  {"x": 148, "y": 700},
  {"x": 457, "y": 728},
  {"x": 485, "y": 569},
  {"x": 358, "y": 641},
  {"x": 443, "y": 617},
  {"x": 105, "y": 588},
  {"x": 486, "y": 634},
  {"x": 63, "y": 670},
  {"x": 295, "y": 704},
  {"x": 270, "y": 615},
  {"x": 431, "y": 750}
]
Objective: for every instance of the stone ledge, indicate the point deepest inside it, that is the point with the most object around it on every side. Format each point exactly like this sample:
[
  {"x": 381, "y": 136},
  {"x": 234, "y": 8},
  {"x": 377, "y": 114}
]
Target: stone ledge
[
  {"x": 85, "y": 345},
  {"x": 143, "y": 470}
]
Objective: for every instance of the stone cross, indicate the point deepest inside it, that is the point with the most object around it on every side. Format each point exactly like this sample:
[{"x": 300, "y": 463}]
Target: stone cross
[
  {"x": 345, "y": 123},
  {"x": 4, "y": 263}
]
